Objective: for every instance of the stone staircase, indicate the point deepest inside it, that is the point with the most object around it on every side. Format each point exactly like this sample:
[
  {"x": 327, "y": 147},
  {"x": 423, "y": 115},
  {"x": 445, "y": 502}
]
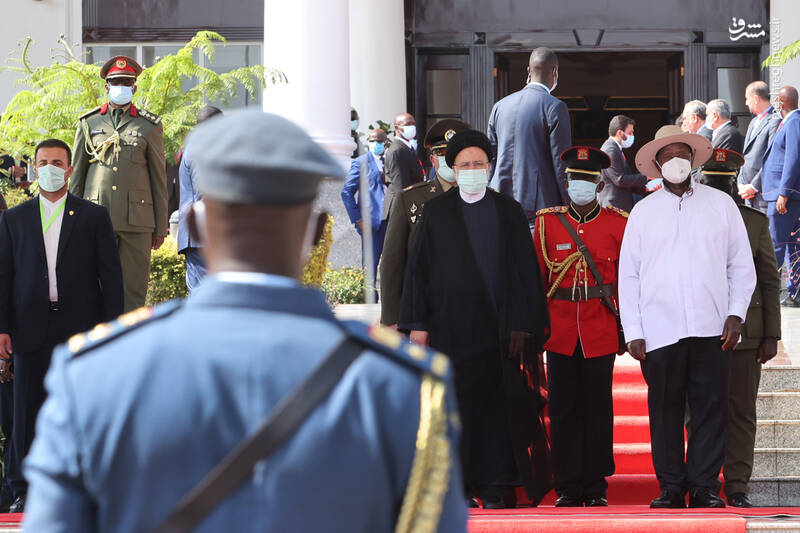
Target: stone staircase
[{"x": 776, "y": 467}]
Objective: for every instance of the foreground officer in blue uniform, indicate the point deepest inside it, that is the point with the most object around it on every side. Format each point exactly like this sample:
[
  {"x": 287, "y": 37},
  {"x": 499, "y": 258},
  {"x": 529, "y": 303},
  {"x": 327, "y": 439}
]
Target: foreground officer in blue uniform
[{"x": 141, "y": 410}]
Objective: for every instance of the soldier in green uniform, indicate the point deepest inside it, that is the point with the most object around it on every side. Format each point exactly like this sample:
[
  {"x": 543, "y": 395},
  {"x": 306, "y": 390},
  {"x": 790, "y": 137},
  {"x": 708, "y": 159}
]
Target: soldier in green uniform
[
  {"x": 119, "y": 163},
  {"x": 406, "y": 213},
  {"x": 760, "y": 332}
]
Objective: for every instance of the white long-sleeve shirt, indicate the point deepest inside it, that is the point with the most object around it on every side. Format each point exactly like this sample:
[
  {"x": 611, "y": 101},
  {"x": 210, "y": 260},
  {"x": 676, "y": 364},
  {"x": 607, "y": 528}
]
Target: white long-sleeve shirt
[
  {"x": 685, "y": 266},
  {"x": 51, "y": 237}
]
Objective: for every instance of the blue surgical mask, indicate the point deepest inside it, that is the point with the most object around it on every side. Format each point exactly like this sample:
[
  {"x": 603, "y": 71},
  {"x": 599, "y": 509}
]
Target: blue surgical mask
[
  {"x": 409, "y": 132},
  {"x": 473, "y": 181},
  {"x": 376, "y": 147},
  {"x": 413, "y": 143},
  {"x": 120, "y": 94},
  {"x": 353, "y": 125},
  {"x": 445, "y": 172},
  {"x": 627, "y": 143},
  {"x": 582, "y": 192},
  {"x": 51, "y": 178}
]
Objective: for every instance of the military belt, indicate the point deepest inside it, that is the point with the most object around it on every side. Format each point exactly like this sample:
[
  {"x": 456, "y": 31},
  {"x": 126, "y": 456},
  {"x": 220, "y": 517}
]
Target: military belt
[{"x": 578, "y": 293}]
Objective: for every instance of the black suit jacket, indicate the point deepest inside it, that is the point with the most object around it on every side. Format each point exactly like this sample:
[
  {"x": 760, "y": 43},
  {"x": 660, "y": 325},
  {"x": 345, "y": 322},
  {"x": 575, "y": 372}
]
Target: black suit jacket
[
  {"x": 87, "y": 267},
  {"x": 728, "y": 137},
  {"x": 402, "y": 169},
  {"x": 620, "y": 182}
]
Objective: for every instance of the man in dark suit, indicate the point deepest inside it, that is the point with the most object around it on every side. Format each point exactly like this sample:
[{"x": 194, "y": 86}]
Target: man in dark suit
[
  {"x": 694, "y": 119},
  {"x": 780, "y": 187},
  {"x": 369, "y": 165},
  {"x": 402, "y": 165},
  {"x": 759, "y": 134},
  {"x": 620, "y": 182},
  {"x": 529, "y": 130},
  {"x": 726, "y": 136},
  {"x": 60, "y": 274}
]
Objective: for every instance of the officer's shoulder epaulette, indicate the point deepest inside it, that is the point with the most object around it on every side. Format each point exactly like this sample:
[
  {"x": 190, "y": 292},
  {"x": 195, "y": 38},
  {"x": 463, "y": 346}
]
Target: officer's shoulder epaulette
[
  {"x": 749, "y": 209},
  {"x": 103, "y": 333},
  {"x": 548, "y": 210},
  {"x": 152, "y": 117},
  {"x": 617, "y": 210},
  {"x": 392, "y": 344},
  {"x": 417, "y": 185},
  {"x": 90, "y": 113}
]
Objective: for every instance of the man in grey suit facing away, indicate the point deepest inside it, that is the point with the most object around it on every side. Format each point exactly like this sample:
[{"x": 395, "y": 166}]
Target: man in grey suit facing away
[
  {"x": 759, "y": 135},
  {"x": 529, "y": 129}
]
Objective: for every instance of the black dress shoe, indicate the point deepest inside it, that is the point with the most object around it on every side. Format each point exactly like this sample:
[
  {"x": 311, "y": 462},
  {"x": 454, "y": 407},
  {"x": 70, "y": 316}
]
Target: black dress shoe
[
  {"x": 494, "y": 504},
  {"x": 18, "y": 506},
  {"x": 704, "y": 498},
  {"x": 472, "y": 503},
  {"x": 569, "y": 501},
  {"x": 739, "y": 499},
  {"x": 596, "y": 502},
  {"x": 669, "y": 499}
]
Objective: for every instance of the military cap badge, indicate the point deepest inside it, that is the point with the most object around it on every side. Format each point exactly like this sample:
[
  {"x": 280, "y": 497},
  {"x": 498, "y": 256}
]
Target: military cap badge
[
  {"x": 720, "y": 155},
  {"x": 583, "y": 154},
  {"x": 121, "y": 63},
  {"x": 449, "y": 134}
]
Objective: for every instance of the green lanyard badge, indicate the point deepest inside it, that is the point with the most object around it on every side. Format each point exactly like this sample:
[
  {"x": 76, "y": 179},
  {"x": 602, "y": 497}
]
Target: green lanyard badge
[{"x": 59, "y": 210}]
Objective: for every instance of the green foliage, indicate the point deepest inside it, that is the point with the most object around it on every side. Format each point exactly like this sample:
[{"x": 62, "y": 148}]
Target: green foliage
[
  {"x": 167, "y": 273},
  {"x": 344, "y": 286},
  {"x": 55, "y": 96},
  {"x": 314, "y": 271},
  {"x": 13, "y": 195},
  {"x": 385, "y": 126},
  {"x": 782, "y": 56}
]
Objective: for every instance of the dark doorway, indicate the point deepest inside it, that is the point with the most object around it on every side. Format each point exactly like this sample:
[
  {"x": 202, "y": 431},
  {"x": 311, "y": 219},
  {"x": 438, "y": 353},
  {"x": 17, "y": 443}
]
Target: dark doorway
[{"x": 646, "y": 86}]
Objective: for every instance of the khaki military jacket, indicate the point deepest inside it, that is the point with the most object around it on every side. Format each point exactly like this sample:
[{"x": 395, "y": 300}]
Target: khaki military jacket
[
  {"x": 123, "y": 168},
  {"x": 404, "y": 217},
  {"x": 764, "y": 314}
]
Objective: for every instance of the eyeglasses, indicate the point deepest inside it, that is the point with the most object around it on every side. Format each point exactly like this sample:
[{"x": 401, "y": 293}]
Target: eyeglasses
[
  {"x": 126, "y": 81},
  {"x": 471, "y": 164}
]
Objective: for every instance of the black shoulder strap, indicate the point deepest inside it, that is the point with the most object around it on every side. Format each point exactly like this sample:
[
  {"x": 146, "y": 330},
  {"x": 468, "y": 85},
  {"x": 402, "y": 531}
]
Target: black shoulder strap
[
  {"x": 598, "y": 278},
  {"x": 280, "y": 424}
]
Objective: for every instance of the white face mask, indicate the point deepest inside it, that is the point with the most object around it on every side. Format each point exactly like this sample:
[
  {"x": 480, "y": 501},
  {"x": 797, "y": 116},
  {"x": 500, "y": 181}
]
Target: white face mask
[
  {"x": 445, "y": 172},
  {"x": 51, "y": 178},
  {"x": 627, "y": 143},
  {"x": 120, "y": 94},
  {"x": 709, "y": 123},
  {"x": 676, "y": 170},
  {"x": 473, "y": 181},
  {"x": 409, "y": 132}
]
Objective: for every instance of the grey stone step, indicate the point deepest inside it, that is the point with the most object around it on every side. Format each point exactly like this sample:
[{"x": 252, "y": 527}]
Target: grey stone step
[
  {"x": 776, "y": 462},
  {"x": 778, "y": 405},
  {"x": 773, "y": 492},
  {"x": 780, "y": 378},
  {"x": 778, "y": 434},
  {"x": 771, "y": 525}
]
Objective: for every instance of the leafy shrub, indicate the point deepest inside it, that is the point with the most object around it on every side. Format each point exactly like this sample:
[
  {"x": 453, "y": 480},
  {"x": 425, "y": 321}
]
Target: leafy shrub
[
  {"x": 314, "y": 271},
  {"x": 344, "y": 285},
  {"x": 13, "y": 195},
  {"x": 167, "y": 273}
]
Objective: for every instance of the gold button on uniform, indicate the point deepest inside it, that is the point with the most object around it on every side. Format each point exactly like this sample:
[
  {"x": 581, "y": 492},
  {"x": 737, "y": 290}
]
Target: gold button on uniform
[
  {"x": 114, "y": 169},
  {"x": 580, "y": 231},
  {"x": 113, "y": 187}
]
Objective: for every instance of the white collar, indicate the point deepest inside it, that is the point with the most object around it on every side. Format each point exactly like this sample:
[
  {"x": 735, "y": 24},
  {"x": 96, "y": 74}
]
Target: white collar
[
  {"x": 615, "y": 140},
  {"x": 715, "y": 130},
  {"x": 471, "y": 198},
  {"x": 257, "y": 278},
  {"x": 546, "y": 88},
  {"x": 49, "y": 205},
  {"x": 403, "y": 139}
]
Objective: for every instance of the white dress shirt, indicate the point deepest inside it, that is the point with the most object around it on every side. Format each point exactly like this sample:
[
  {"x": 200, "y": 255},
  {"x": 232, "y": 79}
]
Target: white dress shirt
[
  {"x": 685, "y": 266},
  {"x": 51, "y": 237},
  {"x": 715, "y": 130}
]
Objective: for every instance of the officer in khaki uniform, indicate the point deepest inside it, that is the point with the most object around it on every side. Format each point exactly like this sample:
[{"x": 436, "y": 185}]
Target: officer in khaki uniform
[
  {"x": 118, "y": 158},
  {"x": 760, "y": 333},
  {"x": 406, "y": 214}
]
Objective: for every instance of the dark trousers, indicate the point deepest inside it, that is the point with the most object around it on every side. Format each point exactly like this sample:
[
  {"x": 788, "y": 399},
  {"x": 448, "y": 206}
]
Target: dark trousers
[
  {"x": 741, "y": 438},
  {"x": 784, "y": 231},
  {"x": 7, "y": 424},
  {"x": 698, "y": 370},
  {"x": 29, "y": 395},
  {"x": 581, "y": 422}
]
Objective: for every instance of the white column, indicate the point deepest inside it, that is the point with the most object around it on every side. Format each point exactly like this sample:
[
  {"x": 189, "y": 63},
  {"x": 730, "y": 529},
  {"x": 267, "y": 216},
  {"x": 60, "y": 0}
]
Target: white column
[
  {"x": 377, "y": 60},
  {"x": 309, "y": 41},
  {"x": 784, "y": 30}
]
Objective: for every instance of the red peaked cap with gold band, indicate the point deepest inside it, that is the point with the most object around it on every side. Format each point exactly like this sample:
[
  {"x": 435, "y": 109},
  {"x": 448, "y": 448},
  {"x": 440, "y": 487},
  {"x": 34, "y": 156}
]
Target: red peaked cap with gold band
[
  {"x": 585, "y": 160},
  {"x": 120, "y": 67},
  {"x": 723, "y": 162}
]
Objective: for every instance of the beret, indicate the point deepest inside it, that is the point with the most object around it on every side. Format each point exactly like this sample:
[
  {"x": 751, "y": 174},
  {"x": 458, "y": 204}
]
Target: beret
[
  {"x": 254, "y": 157},
  {"x": 466, "y": 139}
]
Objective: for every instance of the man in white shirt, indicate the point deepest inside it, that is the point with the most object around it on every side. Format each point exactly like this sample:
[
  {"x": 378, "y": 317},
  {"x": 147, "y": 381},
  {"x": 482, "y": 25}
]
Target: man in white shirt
[
  {"x": 686, "y": 278},
  {"x": 60, "y": 274}
]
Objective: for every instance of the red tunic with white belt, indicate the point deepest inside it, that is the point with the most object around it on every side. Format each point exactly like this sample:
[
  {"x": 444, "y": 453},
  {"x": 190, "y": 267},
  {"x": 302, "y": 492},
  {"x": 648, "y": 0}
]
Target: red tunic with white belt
[{"x": 573, "y": 317}]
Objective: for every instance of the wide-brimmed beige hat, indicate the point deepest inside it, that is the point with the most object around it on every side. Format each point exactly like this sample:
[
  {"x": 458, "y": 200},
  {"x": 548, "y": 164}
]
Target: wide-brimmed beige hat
[{"x": 646, "y": 156}]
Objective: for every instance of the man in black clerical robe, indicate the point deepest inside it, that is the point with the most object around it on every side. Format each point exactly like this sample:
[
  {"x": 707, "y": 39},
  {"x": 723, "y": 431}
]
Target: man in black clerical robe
[{"x": 472, "y": 291}]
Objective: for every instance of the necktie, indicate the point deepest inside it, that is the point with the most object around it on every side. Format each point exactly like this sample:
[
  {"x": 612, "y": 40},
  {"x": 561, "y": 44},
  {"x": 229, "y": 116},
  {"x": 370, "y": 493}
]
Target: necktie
[{"x": 117, "y": 114}]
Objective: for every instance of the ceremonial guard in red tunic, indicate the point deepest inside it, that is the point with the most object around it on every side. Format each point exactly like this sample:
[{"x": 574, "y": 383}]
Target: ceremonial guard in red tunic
[{"x": 578, "y": 248}]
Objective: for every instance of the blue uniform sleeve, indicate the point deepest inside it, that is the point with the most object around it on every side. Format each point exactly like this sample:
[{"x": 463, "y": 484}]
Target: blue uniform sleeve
[
  {"x": 57, "y": 500},
  {"x": 351, "y": 187}
]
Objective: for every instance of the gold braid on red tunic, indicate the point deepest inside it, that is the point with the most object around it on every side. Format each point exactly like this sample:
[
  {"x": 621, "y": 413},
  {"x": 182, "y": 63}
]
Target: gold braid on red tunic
[{"x": 561, "y": 268}]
